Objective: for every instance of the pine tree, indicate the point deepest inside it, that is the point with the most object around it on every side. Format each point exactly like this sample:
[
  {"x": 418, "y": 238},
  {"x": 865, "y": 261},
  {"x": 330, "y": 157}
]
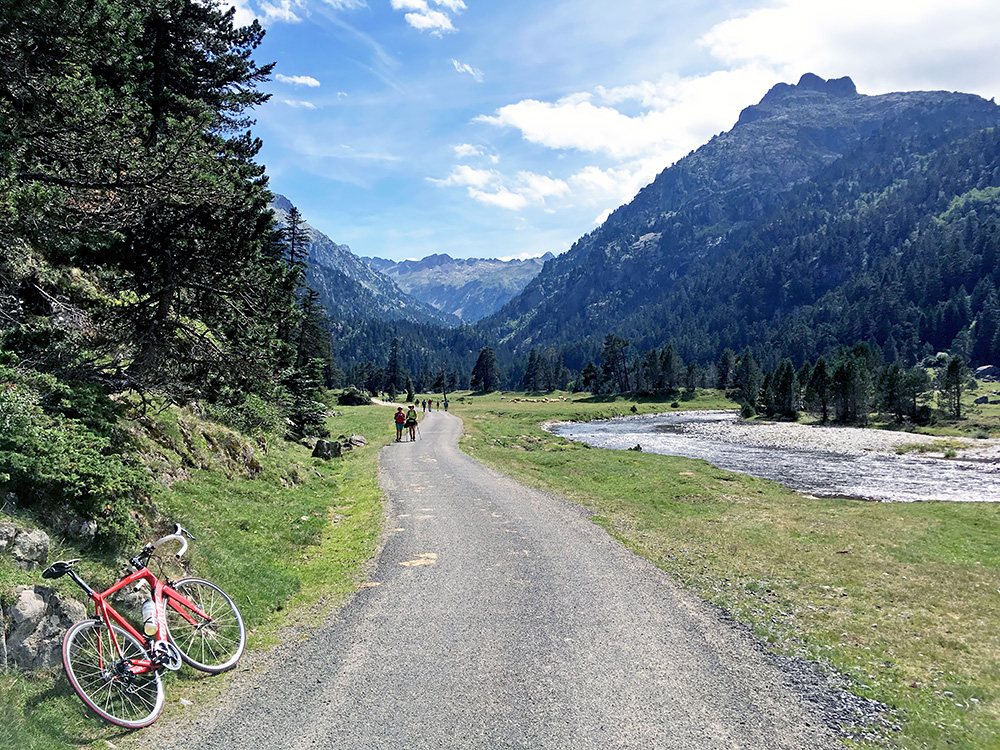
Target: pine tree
[
  {"x": 954, "y": 381},
  {"x": 486, "y": 372},
  {"x": 532, "y": 373},
  {"x": 395, "y": 377},
  {"x": 726, "y": 369},
  {"x": 614, "y": 370}
]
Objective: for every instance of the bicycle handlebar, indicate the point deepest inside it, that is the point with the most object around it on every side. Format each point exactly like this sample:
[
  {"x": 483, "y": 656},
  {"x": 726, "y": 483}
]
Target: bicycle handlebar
[{"x": 179, "y": 534}]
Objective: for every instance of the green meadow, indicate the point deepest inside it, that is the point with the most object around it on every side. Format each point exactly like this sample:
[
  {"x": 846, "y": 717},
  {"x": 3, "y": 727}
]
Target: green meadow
[{"x": 901, "y": 600}]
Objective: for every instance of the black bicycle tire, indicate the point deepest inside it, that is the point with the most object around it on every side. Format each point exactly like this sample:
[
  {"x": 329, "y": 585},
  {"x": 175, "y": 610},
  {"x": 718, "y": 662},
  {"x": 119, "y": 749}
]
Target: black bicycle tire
[
  {"x": 85, "y": 674},
  {"x": 191, "y": 642}
]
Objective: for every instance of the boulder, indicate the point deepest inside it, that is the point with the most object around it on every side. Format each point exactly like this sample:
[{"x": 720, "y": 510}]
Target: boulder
[
  {"x": 327, "y": 450},
  {"x": 30, "y": 549},
  {"x": 982, "y": 400},
  {"x": 7, "y": 533},
  {"x": 38, "y": 619},
  {"x": 988, "y": 372},
  {"x": 83, "y": 531}
]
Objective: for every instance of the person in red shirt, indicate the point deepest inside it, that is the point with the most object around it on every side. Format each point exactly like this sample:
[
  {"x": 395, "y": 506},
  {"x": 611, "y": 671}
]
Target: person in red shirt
[{"x": 400, "y": 421}]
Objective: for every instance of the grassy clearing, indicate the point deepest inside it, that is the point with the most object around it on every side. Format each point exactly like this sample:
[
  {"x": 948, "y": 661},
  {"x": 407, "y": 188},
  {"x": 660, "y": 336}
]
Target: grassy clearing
[
  {"x": 899, "y": 598},
  {"x": 287, "y": 546}
]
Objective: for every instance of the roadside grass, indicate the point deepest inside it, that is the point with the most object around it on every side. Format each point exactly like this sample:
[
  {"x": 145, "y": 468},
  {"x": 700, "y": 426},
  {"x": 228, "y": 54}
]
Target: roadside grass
[
  {"x": 899, "y": 599},
  {"x": 288, "y": 546}
]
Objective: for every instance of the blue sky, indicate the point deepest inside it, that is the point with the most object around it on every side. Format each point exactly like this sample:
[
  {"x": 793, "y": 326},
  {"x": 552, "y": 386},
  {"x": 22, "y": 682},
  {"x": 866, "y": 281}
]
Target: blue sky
[{"x": 508, "y": 128}]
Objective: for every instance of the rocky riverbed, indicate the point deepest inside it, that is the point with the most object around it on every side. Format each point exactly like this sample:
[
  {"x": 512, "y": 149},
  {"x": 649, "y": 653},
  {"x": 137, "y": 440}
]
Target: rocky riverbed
[
  {"x": 820, "y": 460},
  {"x": 851, "y": 441}
]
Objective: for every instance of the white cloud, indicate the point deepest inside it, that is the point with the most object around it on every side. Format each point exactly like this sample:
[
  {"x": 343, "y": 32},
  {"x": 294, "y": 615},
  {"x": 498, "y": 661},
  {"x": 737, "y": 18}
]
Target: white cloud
[
  {"x": 244, "y": 13},
  {"x": 467, "y": 176},
  {"x": 889, "y": 45},
  {"x": 297, "y": 80},
  {"x": 502, "y": 198},
  {"x": 298, "y": 104},
  {"x": 476, "y": 73},
  {"x": 467, "y": 150},
  {"x": 421, "y": 16},
  {"x": 283, "y": 11},
  {"x": 539, "y": 187},
  {"x": 493, "y": 188}
]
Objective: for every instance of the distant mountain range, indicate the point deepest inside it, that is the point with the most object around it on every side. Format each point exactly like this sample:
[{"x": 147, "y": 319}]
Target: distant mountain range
[
  {"x": 822, "y": 218},
  {"x": 470, "y": 288},
  {"x": 351, "y": 289}
]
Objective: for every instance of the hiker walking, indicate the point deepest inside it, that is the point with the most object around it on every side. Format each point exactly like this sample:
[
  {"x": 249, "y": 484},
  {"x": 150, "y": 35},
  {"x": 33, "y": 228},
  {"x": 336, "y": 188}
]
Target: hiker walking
[
  {"x": 400, "y": 422},
  {"x": 411, "y": 422}
]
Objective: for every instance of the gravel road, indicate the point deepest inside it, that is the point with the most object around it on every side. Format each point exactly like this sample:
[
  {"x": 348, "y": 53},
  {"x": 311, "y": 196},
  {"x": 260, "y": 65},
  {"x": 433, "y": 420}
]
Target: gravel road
[{"x": 499, "y": 616}]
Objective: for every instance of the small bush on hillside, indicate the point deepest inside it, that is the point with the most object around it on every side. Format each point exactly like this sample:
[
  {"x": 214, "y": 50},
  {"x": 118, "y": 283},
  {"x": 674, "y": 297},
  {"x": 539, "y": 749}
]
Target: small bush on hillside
[
  {"x": 252, "y": 415},
  {"x": 354, "y": 397},
  {"x": 58, "y": 452}
]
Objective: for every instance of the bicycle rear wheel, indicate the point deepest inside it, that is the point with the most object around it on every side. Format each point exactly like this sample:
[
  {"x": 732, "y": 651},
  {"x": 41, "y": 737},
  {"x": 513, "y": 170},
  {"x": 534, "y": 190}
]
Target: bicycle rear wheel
[
  {"x": 213, "y": 643},
  {"x": 105, "y": 680}
]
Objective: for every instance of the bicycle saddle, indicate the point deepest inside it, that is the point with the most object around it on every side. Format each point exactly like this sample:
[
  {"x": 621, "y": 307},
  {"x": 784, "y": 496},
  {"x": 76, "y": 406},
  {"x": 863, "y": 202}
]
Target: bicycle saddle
[{"x": 59, "y": 569}]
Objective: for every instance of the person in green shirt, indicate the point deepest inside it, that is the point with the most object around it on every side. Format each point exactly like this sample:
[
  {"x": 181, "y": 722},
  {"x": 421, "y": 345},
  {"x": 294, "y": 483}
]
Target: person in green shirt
[{"x": 411, "y": 422}]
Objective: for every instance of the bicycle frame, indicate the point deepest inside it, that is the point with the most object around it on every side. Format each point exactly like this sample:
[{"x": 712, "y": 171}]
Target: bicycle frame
[{"x": 162, "y": 594}]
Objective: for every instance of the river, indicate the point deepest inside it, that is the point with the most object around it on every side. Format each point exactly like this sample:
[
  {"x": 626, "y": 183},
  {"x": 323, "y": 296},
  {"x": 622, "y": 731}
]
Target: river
[{"x": 821, "y": 461}]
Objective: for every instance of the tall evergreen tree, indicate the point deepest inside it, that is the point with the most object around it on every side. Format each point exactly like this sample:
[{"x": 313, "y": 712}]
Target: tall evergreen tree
[
  {"x": 818, "y": 390},
  {"x": 614, "y": 369},
  {"x": 726, "y": 369},
  {"x": 395, "y": 376},
  {"x": 486, "y": 372},
  {"x": 954, "y": 381}
]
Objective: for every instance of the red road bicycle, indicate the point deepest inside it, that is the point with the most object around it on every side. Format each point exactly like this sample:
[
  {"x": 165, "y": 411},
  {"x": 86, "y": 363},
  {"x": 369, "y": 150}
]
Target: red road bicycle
[{"x": 116, "y": 670}]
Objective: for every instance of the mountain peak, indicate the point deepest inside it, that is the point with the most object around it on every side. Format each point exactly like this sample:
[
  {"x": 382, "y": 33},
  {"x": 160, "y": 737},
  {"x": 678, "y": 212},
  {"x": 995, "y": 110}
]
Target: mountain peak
[
  {"x": 282, "y": 202},
  {"x": 810, "y": 82},
  {"x": 810, "y": 88}
]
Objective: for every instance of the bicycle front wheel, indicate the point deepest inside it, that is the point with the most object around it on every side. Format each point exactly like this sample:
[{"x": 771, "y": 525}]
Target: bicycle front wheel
[
  {"x": 213, "y": 642},
  {"x": 120, "y": 687}
]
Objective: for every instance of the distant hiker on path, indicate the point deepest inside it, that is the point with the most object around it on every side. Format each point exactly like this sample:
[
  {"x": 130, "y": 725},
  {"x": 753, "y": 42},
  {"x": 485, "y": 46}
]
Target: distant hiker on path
[
  {"x": 411, "y": 422},
  {"x": 400, "y": 422}
]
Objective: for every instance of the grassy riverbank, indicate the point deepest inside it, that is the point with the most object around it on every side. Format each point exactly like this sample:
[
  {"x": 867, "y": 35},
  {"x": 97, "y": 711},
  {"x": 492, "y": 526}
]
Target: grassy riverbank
[
  {"x": 901, "y": 599},
  {"x": 288, "y": 545}
]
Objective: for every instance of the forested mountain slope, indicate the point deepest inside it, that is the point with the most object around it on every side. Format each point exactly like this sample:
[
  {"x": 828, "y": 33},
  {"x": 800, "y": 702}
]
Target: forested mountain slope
[
  {"x": 470, "y": 288},
  {"x": 349, "y": 288},
  {"x": 824, "y": 217}
]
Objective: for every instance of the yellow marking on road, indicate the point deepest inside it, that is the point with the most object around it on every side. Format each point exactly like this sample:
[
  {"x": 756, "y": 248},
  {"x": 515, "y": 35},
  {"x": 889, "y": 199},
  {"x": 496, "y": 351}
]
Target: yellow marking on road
[{"x": 424, "y": 558}]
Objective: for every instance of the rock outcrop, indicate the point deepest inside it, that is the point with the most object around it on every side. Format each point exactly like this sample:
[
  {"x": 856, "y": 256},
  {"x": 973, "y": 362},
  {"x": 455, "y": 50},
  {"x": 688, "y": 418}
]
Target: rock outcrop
[{"x": 38, "y": 619}]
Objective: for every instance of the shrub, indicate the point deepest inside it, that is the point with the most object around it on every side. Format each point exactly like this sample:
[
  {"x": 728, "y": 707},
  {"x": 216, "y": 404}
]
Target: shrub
[
  {"x": 354, "y": 397},
  {"x": 58, "y": 458},
  {"x": 251, "y": 416}
]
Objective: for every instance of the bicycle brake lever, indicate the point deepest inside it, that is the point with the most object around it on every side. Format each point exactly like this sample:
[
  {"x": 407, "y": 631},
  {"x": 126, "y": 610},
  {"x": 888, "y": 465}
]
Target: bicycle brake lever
[{"x": 178, "y": 529}]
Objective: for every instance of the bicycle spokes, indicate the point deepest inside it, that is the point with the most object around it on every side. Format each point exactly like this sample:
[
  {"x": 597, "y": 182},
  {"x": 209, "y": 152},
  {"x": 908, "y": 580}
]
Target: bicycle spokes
[{"x": 119, "y": 683}]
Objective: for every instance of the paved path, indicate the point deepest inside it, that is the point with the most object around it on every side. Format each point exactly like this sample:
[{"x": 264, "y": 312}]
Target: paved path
[{"x": 504, "y": 618}]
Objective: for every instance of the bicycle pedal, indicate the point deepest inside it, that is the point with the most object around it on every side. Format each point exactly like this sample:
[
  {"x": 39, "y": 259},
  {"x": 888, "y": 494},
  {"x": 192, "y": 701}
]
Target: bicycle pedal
[{"x": 166, "y": 655}]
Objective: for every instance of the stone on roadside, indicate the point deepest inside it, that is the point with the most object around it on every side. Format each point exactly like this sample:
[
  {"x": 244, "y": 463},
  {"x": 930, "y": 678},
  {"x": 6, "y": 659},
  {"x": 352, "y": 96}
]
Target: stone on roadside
[
  {"x": 38, "y": 620},
  {"x": 327, "y": 450}
]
